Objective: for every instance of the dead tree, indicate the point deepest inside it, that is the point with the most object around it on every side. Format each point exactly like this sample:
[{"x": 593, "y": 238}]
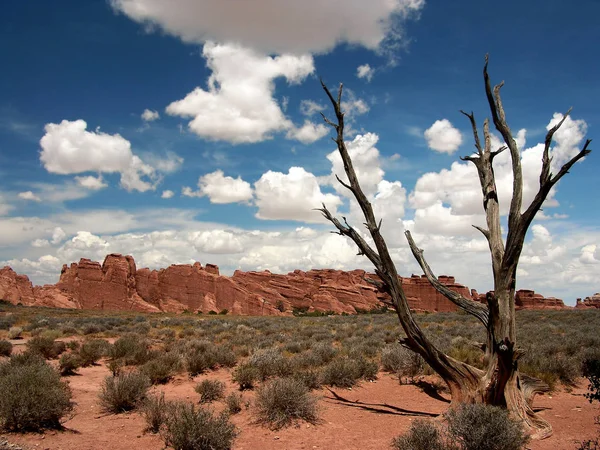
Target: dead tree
[{"x": 500, "y": 382}]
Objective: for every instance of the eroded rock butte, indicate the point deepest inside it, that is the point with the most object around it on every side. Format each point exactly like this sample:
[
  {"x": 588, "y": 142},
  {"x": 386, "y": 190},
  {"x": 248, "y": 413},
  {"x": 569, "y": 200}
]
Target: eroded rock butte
[{"x": 117, "y": 284}]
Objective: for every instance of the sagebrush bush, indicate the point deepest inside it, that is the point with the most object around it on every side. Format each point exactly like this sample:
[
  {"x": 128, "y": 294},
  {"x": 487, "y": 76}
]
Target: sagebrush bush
[
  {"x": 161, "y": 369},
  {"x": 92, "y": 350},
  {"x": 15, "y": 332},
  {"x": 341, "y": 372},
  {"x": 132, "y": 348},
  {"x": 5, "y": 348},
  {"x": 233, "y": 402},
  {"x": 190, "y": 428},
  {"x": 124, "y": 392},
  {"x": 422, "y": 435},
  {"x": 310, "y": 378},
  {"x": 155, "y": 410},
  {"x": 270, "y": 362},
  {"x": 210, "y": 390},
  {"x": 33, "y": 396},
  {"x": 69, "y": 363},
  {"x": 246, "y": 376},
  {"x": 282, "y": 401},
  {"x": 591, "y": 370},
  {"x": 46, "y": 346},
  {"x": 484, "y": 427}
]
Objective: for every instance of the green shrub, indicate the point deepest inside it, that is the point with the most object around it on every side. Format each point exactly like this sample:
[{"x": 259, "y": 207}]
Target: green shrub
[
  {"x": 246, "y": 376},
  {"x": 15, "y": 332},
  {"x": 33, "y": 395},
  {"x": 123, "y": 392},
  {"x": 282, "y": 401},
  {"x": 190, "y": 428},
  {"x": 591, "y": 370},
  {"x": 132, "y": 348},
  {"x": 233, "y": 402},
  {"x": 161, "y": 369},
  {"x": 69, "y": 363},
  {"x": 5, "y": 348},
  {"x": 310, "y": 378},
  {"x": 91, "y": 351},
  {"x": 341, "y": 372},
  {"x": 46, "y": 346},
  {"x": 270, "y": 362},
  {"x": 422, "y": 435},
  {"x": 484, "y": 427},
  {"x": 210, "y": 390},
  {"x": 155, "y": 410}
]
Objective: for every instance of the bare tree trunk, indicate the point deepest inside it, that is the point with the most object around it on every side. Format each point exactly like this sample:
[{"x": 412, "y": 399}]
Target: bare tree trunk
[{"x": 500, "y": 383}]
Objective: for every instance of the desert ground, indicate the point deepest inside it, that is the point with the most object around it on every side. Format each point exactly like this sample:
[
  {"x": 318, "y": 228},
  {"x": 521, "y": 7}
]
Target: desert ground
[{"x": 368, "y": 413}]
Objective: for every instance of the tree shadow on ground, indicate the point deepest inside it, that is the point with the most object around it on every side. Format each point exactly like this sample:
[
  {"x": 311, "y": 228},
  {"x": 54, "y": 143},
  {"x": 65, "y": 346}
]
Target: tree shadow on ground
[{"x": 379, "y": 408}]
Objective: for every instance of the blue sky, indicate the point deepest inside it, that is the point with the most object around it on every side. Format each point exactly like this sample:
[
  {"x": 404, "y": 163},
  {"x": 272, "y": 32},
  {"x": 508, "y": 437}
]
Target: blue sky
[{"x": 190, "y": 131}]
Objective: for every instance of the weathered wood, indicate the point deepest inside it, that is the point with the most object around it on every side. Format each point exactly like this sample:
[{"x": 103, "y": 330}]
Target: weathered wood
[{"x": 500, "y": 382}]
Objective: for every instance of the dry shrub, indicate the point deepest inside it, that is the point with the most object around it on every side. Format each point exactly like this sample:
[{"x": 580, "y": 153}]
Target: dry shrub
[
  {"x": 33, "y": 396},
  {"x": 282, "y": 401},
  {"x": 190, "y": 428},
  {"x": 210, "y": 390},
  {"x": 124, "y": 392}
]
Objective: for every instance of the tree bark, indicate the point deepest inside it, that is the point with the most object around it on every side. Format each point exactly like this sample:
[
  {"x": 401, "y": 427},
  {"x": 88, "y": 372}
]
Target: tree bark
[{"x": 500, "y": 383}]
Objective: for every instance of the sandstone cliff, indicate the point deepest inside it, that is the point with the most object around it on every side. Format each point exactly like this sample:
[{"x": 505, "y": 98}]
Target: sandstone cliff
[
  {"x": 117, "y": 284},
  {"x": 592, "y": 302}
]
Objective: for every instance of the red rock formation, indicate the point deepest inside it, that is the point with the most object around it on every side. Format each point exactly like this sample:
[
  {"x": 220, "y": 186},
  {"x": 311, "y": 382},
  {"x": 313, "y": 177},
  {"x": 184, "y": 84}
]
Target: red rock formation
[
  {"x": 592, "y": 302},
  {"x": 527, "y": 299},
  {"x": 118, "y": 285},
  {"x": 15, "y": 288}
]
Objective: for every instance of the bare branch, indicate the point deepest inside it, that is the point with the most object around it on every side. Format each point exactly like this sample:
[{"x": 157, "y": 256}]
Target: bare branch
[
  {"x": 546, "y": 160},
  {"x": 476, "y": 309},
  {"x": 347, "y": 186},
  {"x": 483, "y": 231},
  {"x": 549, "y": 183},
  {"x": 475, "y": 133},
  {"x": 347, "y": 230}
]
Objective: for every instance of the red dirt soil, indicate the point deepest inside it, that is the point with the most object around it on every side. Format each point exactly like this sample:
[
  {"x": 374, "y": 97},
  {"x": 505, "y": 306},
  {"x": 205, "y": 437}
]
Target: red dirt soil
[{"x": 366, "y": 417}]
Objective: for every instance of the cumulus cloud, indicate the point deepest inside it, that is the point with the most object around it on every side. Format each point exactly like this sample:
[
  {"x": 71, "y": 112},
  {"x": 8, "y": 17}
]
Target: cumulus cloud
[
  {"x": 29, "y": 195},
  {"x": 291, "y": 196},
  {"x": 221, "y": 189},
  {"x": 217, "y": 242},
  {"x": 365, "y": 71},
  {"x": 278, "y": 26},
  {"x": 91, "y": 182},
  {"x": 238, "y": 105},
  {"x": 68, "y": 148},
  {"x": 365, "y": 158},
  {"x": 149, "y": 115},
  {"x": 443, "y": 137},
  {"x": 310, "y": 107},
  {"x": 308, "y": 133},
  {"x": 167, "y": 194}
]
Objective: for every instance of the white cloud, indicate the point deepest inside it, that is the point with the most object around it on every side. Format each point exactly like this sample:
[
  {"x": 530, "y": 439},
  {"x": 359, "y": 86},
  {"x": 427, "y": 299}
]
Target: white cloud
[
  {"x": 149, "y": 115},
  {"x": 443, "y": 137},
  {"x": 29, "y": 195},
  {"x": 221, "y": 189},
  {"x": 217, "y": 242},
  {"x": 308, "y": 133},
  {"x": 238, "y": 106},
  {"x": 310, "y": 107},
  {"x": 167, "y": 194},
  {"x": 291, "y": 196},
  {"x": 353, "y": 106},
  {"x": 91, "y": 182},
  {"x": 590, "y": 254},
  {"x": 365, "y": 159},
  {"x": 58, "y": 235},
  {"x": 68, "y": 148},
  {"x": 278, "y": 26},
  {"x": 170, "y": 163},
  {"x": 365, "y": 71},
  {"x": 4, "y": 207},
  {"x": 40, "y": 243}
]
